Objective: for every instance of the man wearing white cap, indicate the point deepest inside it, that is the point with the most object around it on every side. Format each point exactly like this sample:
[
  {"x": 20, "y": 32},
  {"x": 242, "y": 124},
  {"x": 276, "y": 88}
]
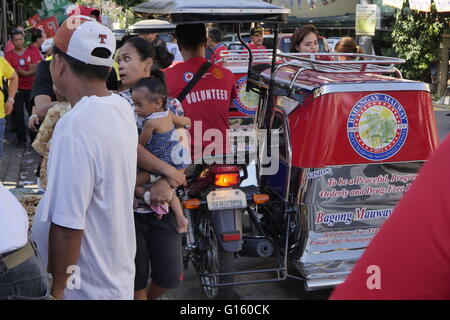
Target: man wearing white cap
[
  {"x": 84, "y": 226},
  {"x": 47, "y": 48}
]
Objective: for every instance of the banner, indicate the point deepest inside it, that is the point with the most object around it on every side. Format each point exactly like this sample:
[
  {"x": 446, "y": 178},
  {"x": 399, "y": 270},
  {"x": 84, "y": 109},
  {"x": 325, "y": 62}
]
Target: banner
[
  {"x": 393, "y": 3},
  {"x": 442, "y": 5},
  {"x": 49, "y": 25},
  {"x": 366, "y": 18},
  {"x": 420, "y": 5},
  {"x": 34, "y": 20}
]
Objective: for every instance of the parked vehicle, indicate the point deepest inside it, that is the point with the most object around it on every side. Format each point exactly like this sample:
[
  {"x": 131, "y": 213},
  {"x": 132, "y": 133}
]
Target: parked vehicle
[
  {"x": 119, "y": 34},
  {"x": 342, "y": 168},
  {"x": 283, "y": 43},
  {"x": 233, "y": 45},
  {"x": 233, "y": 37}
]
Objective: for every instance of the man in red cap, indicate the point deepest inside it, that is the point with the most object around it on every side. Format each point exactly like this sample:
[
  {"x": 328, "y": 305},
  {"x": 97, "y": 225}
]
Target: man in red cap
[{"x": 84, "y": 225}]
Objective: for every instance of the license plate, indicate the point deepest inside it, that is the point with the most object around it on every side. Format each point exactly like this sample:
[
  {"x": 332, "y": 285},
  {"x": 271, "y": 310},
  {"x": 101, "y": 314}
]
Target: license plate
[{"x": 226, "y": 199}]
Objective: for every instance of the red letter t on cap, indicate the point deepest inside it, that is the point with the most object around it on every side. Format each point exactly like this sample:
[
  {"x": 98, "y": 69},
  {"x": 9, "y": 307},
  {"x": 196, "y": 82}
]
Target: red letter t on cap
[{"x": 102, "y": 38}]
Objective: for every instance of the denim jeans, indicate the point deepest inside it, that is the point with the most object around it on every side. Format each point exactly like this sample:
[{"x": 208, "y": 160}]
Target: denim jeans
[
  {"x": 27, "y": 281},
  {"x": 2, "y": 134}
]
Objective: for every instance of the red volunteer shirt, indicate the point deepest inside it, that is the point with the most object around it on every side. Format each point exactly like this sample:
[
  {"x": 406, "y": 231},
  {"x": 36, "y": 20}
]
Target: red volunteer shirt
[
  {"x": 409, "y": 258},
  {"x": 209, "y": 101},
  {"x": 23, "y": 63},
  {"x": 252, "y": 46}
]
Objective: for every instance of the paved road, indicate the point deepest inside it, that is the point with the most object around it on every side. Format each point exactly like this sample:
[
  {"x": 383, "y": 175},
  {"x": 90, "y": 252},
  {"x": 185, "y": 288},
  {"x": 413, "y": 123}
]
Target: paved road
[{"x": 289, "y": 289}]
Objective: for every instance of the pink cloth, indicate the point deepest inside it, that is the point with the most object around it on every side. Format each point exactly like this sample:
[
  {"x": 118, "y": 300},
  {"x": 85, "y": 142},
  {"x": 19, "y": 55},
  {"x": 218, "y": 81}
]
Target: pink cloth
[{"x": 162, "y": 209}]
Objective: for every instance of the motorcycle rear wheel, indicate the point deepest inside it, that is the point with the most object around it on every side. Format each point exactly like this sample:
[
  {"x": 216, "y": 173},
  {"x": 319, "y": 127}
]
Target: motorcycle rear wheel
[{"x": 218, "y": 261}]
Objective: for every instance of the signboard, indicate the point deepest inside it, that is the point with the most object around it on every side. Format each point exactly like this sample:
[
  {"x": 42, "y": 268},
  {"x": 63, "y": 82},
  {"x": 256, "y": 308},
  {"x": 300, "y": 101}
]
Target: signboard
[
  {"x": 366, "y": 19},
  {"x": 442, "y": 5},
  {"x": 49, "y": 25},
  {"x": 420, "y": 5},
  {"x": 343, "y": 197},
  {"x": 393, "y": 3}
]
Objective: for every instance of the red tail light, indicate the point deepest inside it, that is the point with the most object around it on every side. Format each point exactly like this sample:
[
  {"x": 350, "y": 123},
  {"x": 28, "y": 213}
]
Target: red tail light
[
  {"x": 226, "y": 176},
  {"x": 227, "y": 179}
]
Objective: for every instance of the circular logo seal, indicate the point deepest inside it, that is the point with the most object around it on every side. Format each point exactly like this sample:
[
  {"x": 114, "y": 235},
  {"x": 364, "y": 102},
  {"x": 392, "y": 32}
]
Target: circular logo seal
[
  {"x": 377, "y": 127},
  {"x": 188, "y": 76},
  {"x": 245, "y": 102},
  {"x": 217, "y": 73}
]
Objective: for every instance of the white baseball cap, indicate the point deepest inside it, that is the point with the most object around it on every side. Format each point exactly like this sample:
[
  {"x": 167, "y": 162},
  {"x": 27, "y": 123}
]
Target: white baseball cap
[
  {"x": 79, "y": 36},
  {"x": 48, "y": 44}
]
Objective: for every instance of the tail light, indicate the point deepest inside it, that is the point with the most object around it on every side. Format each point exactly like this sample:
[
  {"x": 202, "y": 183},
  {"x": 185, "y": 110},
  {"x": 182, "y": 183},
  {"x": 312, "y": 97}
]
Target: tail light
[
  {"x": 227, "y": 180},
  {"x": 226, "y": 176}
]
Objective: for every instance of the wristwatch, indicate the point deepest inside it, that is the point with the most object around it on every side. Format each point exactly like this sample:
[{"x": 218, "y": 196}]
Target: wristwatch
[{"x": 11, "y": 99}]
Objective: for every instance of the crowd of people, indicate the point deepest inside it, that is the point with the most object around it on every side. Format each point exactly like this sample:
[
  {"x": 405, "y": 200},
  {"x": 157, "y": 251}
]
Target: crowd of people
[
  {"x": 88, "y": 136},
  {"x": 113, "y": 127}
]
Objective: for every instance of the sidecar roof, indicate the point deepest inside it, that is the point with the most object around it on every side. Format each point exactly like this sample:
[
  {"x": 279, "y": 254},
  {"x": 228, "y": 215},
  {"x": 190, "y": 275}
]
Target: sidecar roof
[{"x": 210, "y": 11}]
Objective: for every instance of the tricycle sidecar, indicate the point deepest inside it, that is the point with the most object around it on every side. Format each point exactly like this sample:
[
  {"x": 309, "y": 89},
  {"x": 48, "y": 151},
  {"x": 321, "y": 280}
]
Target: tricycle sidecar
[{"x": 351, "y": 141}]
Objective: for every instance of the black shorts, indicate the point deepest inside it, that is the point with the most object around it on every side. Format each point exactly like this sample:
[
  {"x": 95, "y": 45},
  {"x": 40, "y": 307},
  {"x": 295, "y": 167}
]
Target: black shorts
[{"x": 158, "y": 244}]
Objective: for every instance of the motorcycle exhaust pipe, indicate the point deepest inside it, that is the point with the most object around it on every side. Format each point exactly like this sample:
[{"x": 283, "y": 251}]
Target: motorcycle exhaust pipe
[{"x": 257, "y": 247}]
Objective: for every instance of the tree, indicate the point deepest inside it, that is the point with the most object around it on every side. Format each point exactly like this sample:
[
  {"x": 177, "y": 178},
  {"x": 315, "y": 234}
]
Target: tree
[
  {"x": 416, "y": 38},
  {"x": 128, "y": 3}
]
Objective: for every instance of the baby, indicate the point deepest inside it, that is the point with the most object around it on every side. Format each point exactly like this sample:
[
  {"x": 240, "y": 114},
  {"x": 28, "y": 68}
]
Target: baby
[{"x": 159, "y": 137}]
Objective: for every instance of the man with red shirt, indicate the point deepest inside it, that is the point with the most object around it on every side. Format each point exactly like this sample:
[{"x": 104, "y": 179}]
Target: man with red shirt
[
  {"x": 9, "y": 45},
  {"x": 25, "y": 63},
  {"x": 208, "y": 103},
  {"x": 257, "y": 39},
  {"x": 37, "y": 39},
  {"x": 214, "y": 42},
  {"x": 409, "y": 258}
]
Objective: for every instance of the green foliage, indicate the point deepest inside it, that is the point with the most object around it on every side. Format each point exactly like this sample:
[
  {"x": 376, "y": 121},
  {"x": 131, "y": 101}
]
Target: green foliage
[
  {"x": 416, "y": 38},
  {"x": 128, "y": 3}
]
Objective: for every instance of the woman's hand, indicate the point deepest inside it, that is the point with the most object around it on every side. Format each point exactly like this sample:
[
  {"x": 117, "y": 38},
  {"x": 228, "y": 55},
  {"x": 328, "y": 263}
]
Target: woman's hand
[{"x": 176, "y": 178}]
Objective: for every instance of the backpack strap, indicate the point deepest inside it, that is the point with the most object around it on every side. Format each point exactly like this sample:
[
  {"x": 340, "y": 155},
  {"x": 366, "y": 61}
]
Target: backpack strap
[{"x": 194, "y": 81}]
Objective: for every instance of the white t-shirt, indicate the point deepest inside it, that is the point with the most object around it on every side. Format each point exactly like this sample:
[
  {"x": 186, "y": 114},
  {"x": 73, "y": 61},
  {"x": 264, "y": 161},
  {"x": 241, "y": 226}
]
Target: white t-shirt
[
  {"x": 173, "y": 49},
  {"x": 91, "y": 180},
  {"x": 13, "y": 222}
]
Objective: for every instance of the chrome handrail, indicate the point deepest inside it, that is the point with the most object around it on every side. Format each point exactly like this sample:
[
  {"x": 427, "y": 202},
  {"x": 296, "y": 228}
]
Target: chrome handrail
[
  {"x": 260, "y": 55},
  {"x": 361, "y": 63}
]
